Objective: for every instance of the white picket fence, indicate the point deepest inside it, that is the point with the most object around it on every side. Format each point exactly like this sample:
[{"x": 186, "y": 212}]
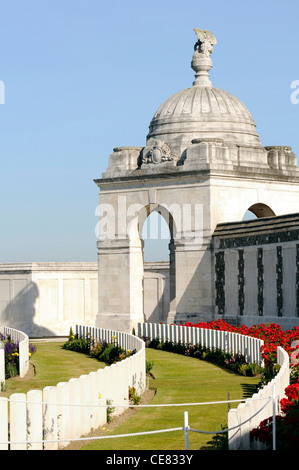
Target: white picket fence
[
  {"x": 234, "y": 343},
  {"x": 23, "y": 342},
  {"x": 48, "y": 419},
  {"x": 229, "y": 342},
  {"x": 239, "y": 438}
]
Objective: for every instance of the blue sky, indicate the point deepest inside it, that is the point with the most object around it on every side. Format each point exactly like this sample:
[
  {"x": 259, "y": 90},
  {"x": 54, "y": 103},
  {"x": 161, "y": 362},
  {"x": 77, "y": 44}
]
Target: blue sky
[{"x": 83, "y": 77}]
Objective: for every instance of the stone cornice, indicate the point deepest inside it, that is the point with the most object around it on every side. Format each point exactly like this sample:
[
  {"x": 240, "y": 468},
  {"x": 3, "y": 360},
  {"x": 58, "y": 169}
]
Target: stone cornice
[
  {"x": 27, "y": 268},
  {"x": 175, "y": 173},
  {"x": 284, "y": 228}
]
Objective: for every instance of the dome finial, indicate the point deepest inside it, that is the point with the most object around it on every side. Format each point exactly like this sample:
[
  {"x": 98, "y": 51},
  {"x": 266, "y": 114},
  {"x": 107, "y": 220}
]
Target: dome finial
[{"x": 201, "y": 61}]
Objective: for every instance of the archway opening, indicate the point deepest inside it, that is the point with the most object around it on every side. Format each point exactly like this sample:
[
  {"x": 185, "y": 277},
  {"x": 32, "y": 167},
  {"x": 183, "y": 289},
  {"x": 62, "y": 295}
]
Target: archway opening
[
  {"x": 257, "y": 211},
  {"x": 156, "y": 238},
  {"x": 158, "y": 266}
]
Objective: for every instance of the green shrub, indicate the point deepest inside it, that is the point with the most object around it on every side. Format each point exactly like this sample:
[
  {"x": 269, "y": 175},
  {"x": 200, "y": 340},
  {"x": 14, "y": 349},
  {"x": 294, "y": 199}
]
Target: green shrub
[
  {"x": 11, "y": 370},
  {"x": 133, "y": 397},
  {"x": 234, "y": 362},
  {"x": 81, "y": 345},
  {"x": 105, "y": 352},
  {"x": 148, "y": 368},
  {"x": 109, "y": 411},
  {"x": 251, "y": 370},
  {"x": 110, "y": 353}
]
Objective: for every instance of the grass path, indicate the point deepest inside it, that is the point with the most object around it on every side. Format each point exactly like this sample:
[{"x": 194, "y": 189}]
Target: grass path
[{"x": 180, "y": 379}]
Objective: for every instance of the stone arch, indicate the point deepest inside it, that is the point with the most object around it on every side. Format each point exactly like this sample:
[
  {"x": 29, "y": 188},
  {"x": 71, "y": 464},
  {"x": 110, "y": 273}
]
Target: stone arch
[
  {"x": 171, "y": 215},
  {"x": 156, "y": 236},
  {"x": 261, "y": 210}
]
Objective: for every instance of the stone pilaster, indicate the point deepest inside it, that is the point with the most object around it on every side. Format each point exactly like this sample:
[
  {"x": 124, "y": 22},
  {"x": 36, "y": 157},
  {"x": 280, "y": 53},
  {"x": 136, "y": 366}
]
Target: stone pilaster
[{"x": 120, "y": 285}]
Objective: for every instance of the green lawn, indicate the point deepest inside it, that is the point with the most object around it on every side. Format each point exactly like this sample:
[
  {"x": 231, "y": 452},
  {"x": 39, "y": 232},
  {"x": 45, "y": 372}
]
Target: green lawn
[
  {"x": 178, "y": 379},
  {"x": 52, "y": 365}
]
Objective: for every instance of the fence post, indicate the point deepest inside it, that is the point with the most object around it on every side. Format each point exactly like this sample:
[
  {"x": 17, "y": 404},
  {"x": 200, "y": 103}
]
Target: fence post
[
  {"x": 274, "y": 416},
  {"x": 186, "y": 430},
  {"x": 34, "y": 419},
  {"x": 49, "y": 395},
  {"x": 18, "y": 421},
  {"x": 4, "y": 423},
  {"x": 2, "y": 365}
]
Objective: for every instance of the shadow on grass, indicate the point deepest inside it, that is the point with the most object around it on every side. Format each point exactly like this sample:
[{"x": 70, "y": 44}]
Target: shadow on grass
[
  {"x": 249, "y": 390},
  {"x": 220, "y": 441}
]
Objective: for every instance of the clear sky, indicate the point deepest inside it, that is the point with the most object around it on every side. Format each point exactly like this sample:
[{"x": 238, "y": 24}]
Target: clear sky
[{"x": 84, "y": 76}]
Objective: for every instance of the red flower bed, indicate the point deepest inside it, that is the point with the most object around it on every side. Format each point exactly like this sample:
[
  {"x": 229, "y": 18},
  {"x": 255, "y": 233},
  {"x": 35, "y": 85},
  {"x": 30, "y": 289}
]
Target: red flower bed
[{"x": 271, "y": 333}]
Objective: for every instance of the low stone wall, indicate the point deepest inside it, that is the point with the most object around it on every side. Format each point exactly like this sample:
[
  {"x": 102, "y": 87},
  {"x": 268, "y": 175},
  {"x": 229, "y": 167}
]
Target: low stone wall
[{"x": 48, "y": 419}]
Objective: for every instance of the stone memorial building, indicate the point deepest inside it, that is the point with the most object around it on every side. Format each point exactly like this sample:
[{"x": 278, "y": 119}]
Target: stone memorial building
[{"x": 203, "y": 166}]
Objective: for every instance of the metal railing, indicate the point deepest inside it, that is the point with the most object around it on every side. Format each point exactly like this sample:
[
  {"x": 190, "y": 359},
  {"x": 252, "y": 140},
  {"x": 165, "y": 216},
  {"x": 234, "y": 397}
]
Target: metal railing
[{"x": 185, "y": 428}]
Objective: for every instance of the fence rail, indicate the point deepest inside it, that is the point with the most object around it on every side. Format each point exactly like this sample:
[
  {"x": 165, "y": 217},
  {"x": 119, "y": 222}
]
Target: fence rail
[{"x": 186, "y": 428}]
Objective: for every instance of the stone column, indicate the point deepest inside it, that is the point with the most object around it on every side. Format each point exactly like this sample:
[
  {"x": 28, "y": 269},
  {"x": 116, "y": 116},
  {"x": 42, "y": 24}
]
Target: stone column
[
  {"x": 192, "y": 283},
  {"x": 195, "y": 299},
  {"x": 172, "y": 283},
  {"x": 120, "y": 284}
]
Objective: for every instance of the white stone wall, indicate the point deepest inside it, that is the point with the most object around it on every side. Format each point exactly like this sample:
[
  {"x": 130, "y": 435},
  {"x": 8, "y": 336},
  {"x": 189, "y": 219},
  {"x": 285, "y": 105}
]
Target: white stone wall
[
  {"x": 45, "y": 299},
  {"x": 156, "y": 294},
  {"x": 233, "y": 195}
]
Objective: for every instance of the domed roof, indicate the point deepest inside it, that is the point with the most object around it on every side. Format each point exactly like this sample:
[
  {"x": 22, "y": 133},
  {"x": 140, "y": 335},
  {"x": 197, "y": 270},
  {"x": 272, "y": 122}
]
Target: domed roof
[{"x": 203, "y": 111}]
